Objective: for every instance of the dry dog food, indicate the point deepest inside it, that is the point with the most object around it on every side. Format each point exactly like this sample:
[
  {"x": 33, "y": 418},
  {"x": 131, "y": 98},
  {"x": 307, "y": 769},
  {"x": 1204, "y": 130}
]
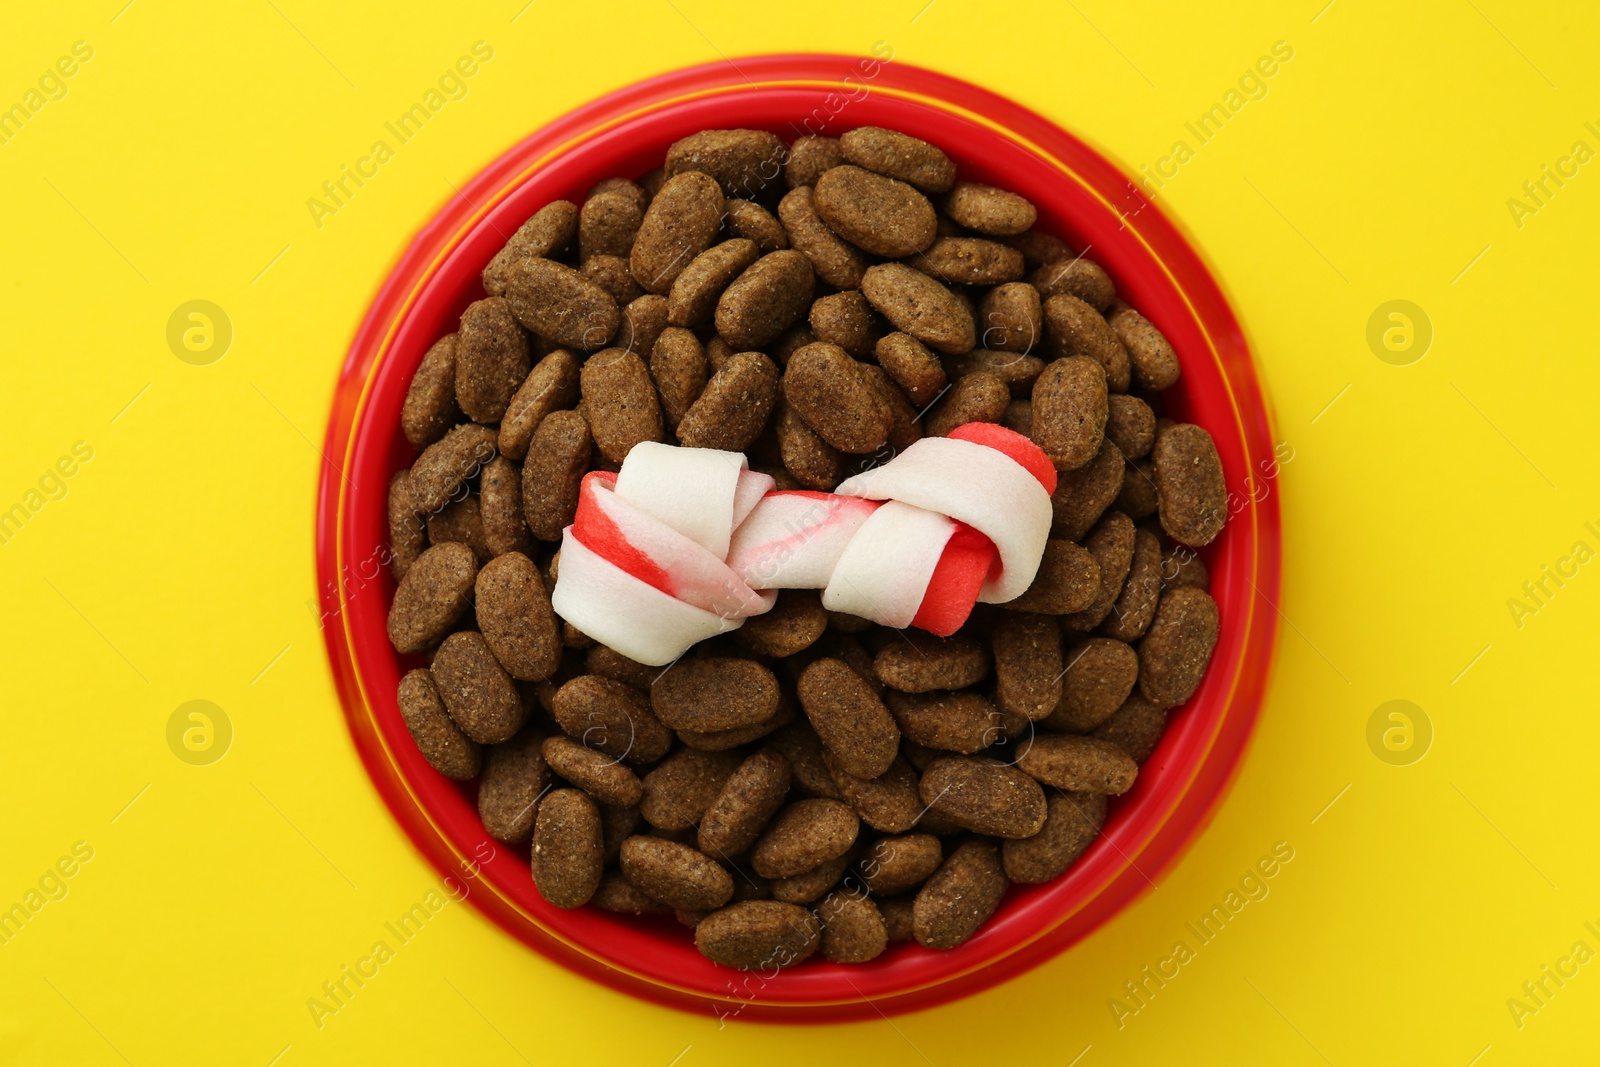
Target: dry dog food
[{"x": 812, "y": 783}]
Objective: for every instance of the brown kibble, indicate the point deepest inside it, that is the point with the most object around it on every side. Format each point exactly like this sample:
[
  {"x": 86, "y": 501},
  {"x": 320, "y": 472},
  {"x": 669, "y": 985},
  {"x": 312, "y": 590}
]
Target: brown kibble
[
  {"x": 621, "y": 401},
  {"x": 449, "y": 461},
  {"x": 969, "y": 261},
  {"x": 802, "y": 747},
  {"x": 1068, "y": 581},
  {"x": 567, "y": 849},
  {"x": 700, "y": 285},
  {"x": 632, "y": 190},
  {"x": 678, "y": 876},
  {"x": 793, "y": 624},
  {"x": 1078, "y": 764},
  {"x": 561, "y": 304},
  {"x": 678, "y": 368},
  {"x": 855, "y": 727},
  {"x": 905, "y": 427},
  {"x": 1039, "y": 248},
  {"x": 460, "y": 520},
  {"x": 681, "y": 222},
  {"x": 1181, "y": 567},
  {"x": 677, "y": 793},
  {"x": 1017, "y": 371},
  {"x": 408, "y": 534},
  {"x": 743, "y": 162},
  {"x": 805, "y": 835},
  {"x": 1027, "y": 664},
  {"x": 813, "y": 462},
  {"x": 1083, "y": 495},
  {"x": 609, "y": 663},
  {"x": 447, "y": 750},
  {"x": 1154, "y": 363},
  {"x": 834, "y": 260},
  {"x": 1100, "y": 675},
  {"x": 619, "y": 895},
  {"x": 1073, "y": 328},
  {"x": 899, "y": 918},
  {"x": 748, "y": 219},
  {"x": 809, "y": 156},
  {"x": 768, "y": 297},
  {"x": 592, "y": 771},
  {"x": 879, "y": 215},
  {"x": 1011, "y": 318},
  {"x": 514, "y": 779},
  {"x": 608, "y": 222},
  {"x": 921, "y": 662},
  {"x": 1130, "y": 425},
  {"x": 989, "y": 210},
  {"x": 895, "y": 865},
  {"x": 912, "y": 365},
  {"x": 611, "y": 717},
  {"x": 476, "y": 690},
  {"x": 975, "y": 397},
  {"x": 1178, "y": 645},
  {"x": 1019, "y": 417},
  {"x": 1111, "y": 544},
  {"x": 500, "y": 507},
  {"x": 714, "y": 693},
  {"x": 733, "y": 409},
  {"x": 1139, "y": 497},
  {"x": 826, "y": 388},
  {"x": 1193, "y": 494},
  {"x": 1135, "y": 606},
  {"x": 963, "y": 721},
  {"x": 747, "y": 801},
  {"x": 432, "y": 597},
  {"x": 550, "y": 386},
  {"x": 845, "y": 319},
  {"x": 1073, "y": 822},
  {"x": 852, "y": 928},
  {"x": 642, "y": 322},
  {"x": 920, "y": 306},
  {"x": 809, "y": 886},
  {"x": 1069, "y": 411},
  {"x": 734, "y": 736},
  {"x": 984, "y": 795},
  {"x": 557, "y": 458},
  {"x": 515, "y": 617},
  {"x": 897, "y": 155},
  {"x": 1082, "y": 278},
  {"x": 547, "y": 234},
  {"x": 1135, "y": 728},
  {"x": 430, "y": 406},
  {"x": 758, "y": 934},
  {"x": 611, "y": 274},
  {"x": 889, "y": 802},
  {"x": 960, "y": 896}
]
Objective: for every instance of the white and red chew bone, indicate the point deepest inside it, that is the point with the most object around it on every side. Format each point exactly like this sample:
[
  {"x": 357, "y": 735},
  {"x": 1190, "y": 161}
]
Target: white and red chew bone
[{"x": 686, "y": 543}]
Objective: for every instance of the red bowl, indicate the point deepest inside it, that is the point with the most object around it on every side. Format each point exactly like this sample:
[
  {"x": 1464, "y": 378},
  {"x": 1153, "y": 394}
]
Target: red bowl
[{"x": 1083, "y": 199}]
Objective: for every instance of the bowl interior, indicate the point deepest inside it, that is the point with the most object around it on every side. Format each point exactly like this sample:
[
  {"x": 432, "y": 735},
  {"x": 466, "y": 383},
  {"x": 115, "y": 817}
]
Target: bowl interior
[{"x": 1082, "y": 199}]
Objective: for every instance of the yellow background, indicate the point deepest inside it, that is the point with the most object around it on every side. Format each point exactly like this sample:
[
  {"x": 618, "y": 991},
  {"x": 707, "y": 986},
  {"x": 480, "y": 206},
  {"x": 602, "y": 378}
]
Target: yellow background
[{"x": 179, "y": 564}]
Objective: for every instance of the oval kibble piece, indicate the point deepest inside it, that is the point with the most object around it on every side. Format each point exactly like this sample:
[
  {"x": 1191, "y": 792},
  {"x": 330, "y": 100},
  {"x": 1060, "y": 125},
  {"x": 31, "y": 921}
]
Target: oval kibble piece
[
  {"x": 1019, "y": 417},
  {"x": 826, "y": 388},
  {"x": 918, "y": 305},
  {"x": 611, "y": 717},
  {"x": 621, "y": 402},
  {"x": 1069, "y": 411},
  {"x": 500, "y": 509},
  {"x": 611, "y": 274},
  {"x": 491, "y": 359},
  {"x": 619, "y": 895},
  {"x": 714, "y": 693},
  {"x": 984, "y": 795},
  {"x": 642, "y": 322},
  {"x": 922, "y": 662},
  {"x": 809, "y": 156},
  {"x": 811, "y": 885},
  {"x": 793, "y": 624},
  {"x": 812, "y": 462},
  {"x": 1130, "y": 425},
  {"x": 1082, "y": 278},
  {"x": 747, "y": 801},
  {"x": 960, "y": 896},
  {"x": 898, "y": 918},
  {"x": 802, "y": 747},
  {"x": 1154, "y": 363},
  {"x": 963, "y": 721},
  {"x": 608, "y": 222},
  {"x": 1073, "y": 822},
  {"x": 1078, "y": 764},
  {"x": 898, "y": 155},
  {"x": 548, "y": 233},
  {"x": 567, "y": 850},
  {"x": 430, "y": 407},
  {"x": 408, "y": 533},
  {"x": 1011, "y": 318},
  {"x": 597, "y": 774},
  {"x": 681, "y": 222},
  {"x": 447, "y": 750},
  {"x": 989, "y": 210},
  {"x": 979, "y": 397},
  {"x": 515, "y": 617},
  {"x": 678, "y": 369},
  {"x": 758, "y": 934},
  {"x": 852, "y": 722},
  {"x": 1135, "y": 606},
  {"x": 767, "y": 298},
  {"x": 845, "y": 319},
  {"x": 1189, "y": 482},
  {"x": 449, "y": 461},
  {"x": 889, "y": 802},
  {"x": 1039, "y": 248},
  {"x": 805, "y": 835},
  {"x": 1073, "y": 328},
  {"x": 912, "y": 365},
  {"x": 1135, "y": 728},
  {"x": 876, "y": 214},
  {"x": 676, "y": 875},
  {"x": 1083, "y": 495},
  {"x": 734, "y": 736},
  {"x": 969, "y": 261},
  {"x": 1138, "y": 498},
  {"x": 1181, "y": 567},
  {"x": 905, "y": 427},
  {"x": 748, "y": 219},
  {"x": 1178, "y": 645},
  {"x": 1016, "y": 370},
  {"x": 894, "y": 865},
  {"x": 1027, "y": 664},
  {"x": 680, "y": 789},
  {"x": 561, "y": 304},
  {"x": 732, "y": 410},
  {"x": 432, "y": 597},
  {"x": 514, "y": 779},
  {"x": 550, "y": 386},
  {"x": 557, "y": 458},
  {"x": 853, "y": 930},
  {"x": 743, "y": 162},
  {"x": 477, "y": 691},
  {"x": 460, "y": 520},
  {"x": 1100, "y": 675},
  {"x": 834, "y": 260},
  {"x": 698, "y": 288},
  {"x": 609, "y": 663},
  {"x": 1111, "y": 544}
]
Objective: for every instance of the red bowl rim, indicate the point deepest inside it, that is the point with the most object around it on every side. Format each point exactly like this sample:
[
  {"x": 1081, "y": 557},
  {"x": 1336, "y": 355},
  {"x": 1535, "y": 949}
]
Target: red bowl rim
[{"x": 1194, "y": 314}]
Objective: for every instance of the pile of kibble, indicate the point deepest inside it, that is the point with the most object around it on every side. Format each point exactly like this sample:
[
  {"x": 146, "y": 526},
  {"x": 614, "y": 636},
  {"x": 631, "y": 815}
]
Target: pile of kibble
[{"x": 811, "y": 781}]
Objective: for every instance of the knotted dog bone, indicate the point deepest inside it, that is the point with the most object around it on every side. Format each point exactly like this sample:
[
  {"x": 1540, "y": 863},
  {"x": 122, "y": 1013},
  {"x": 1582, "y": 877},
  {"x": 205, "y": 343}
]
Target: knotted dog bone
[{"x": 683, "y": 544}]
